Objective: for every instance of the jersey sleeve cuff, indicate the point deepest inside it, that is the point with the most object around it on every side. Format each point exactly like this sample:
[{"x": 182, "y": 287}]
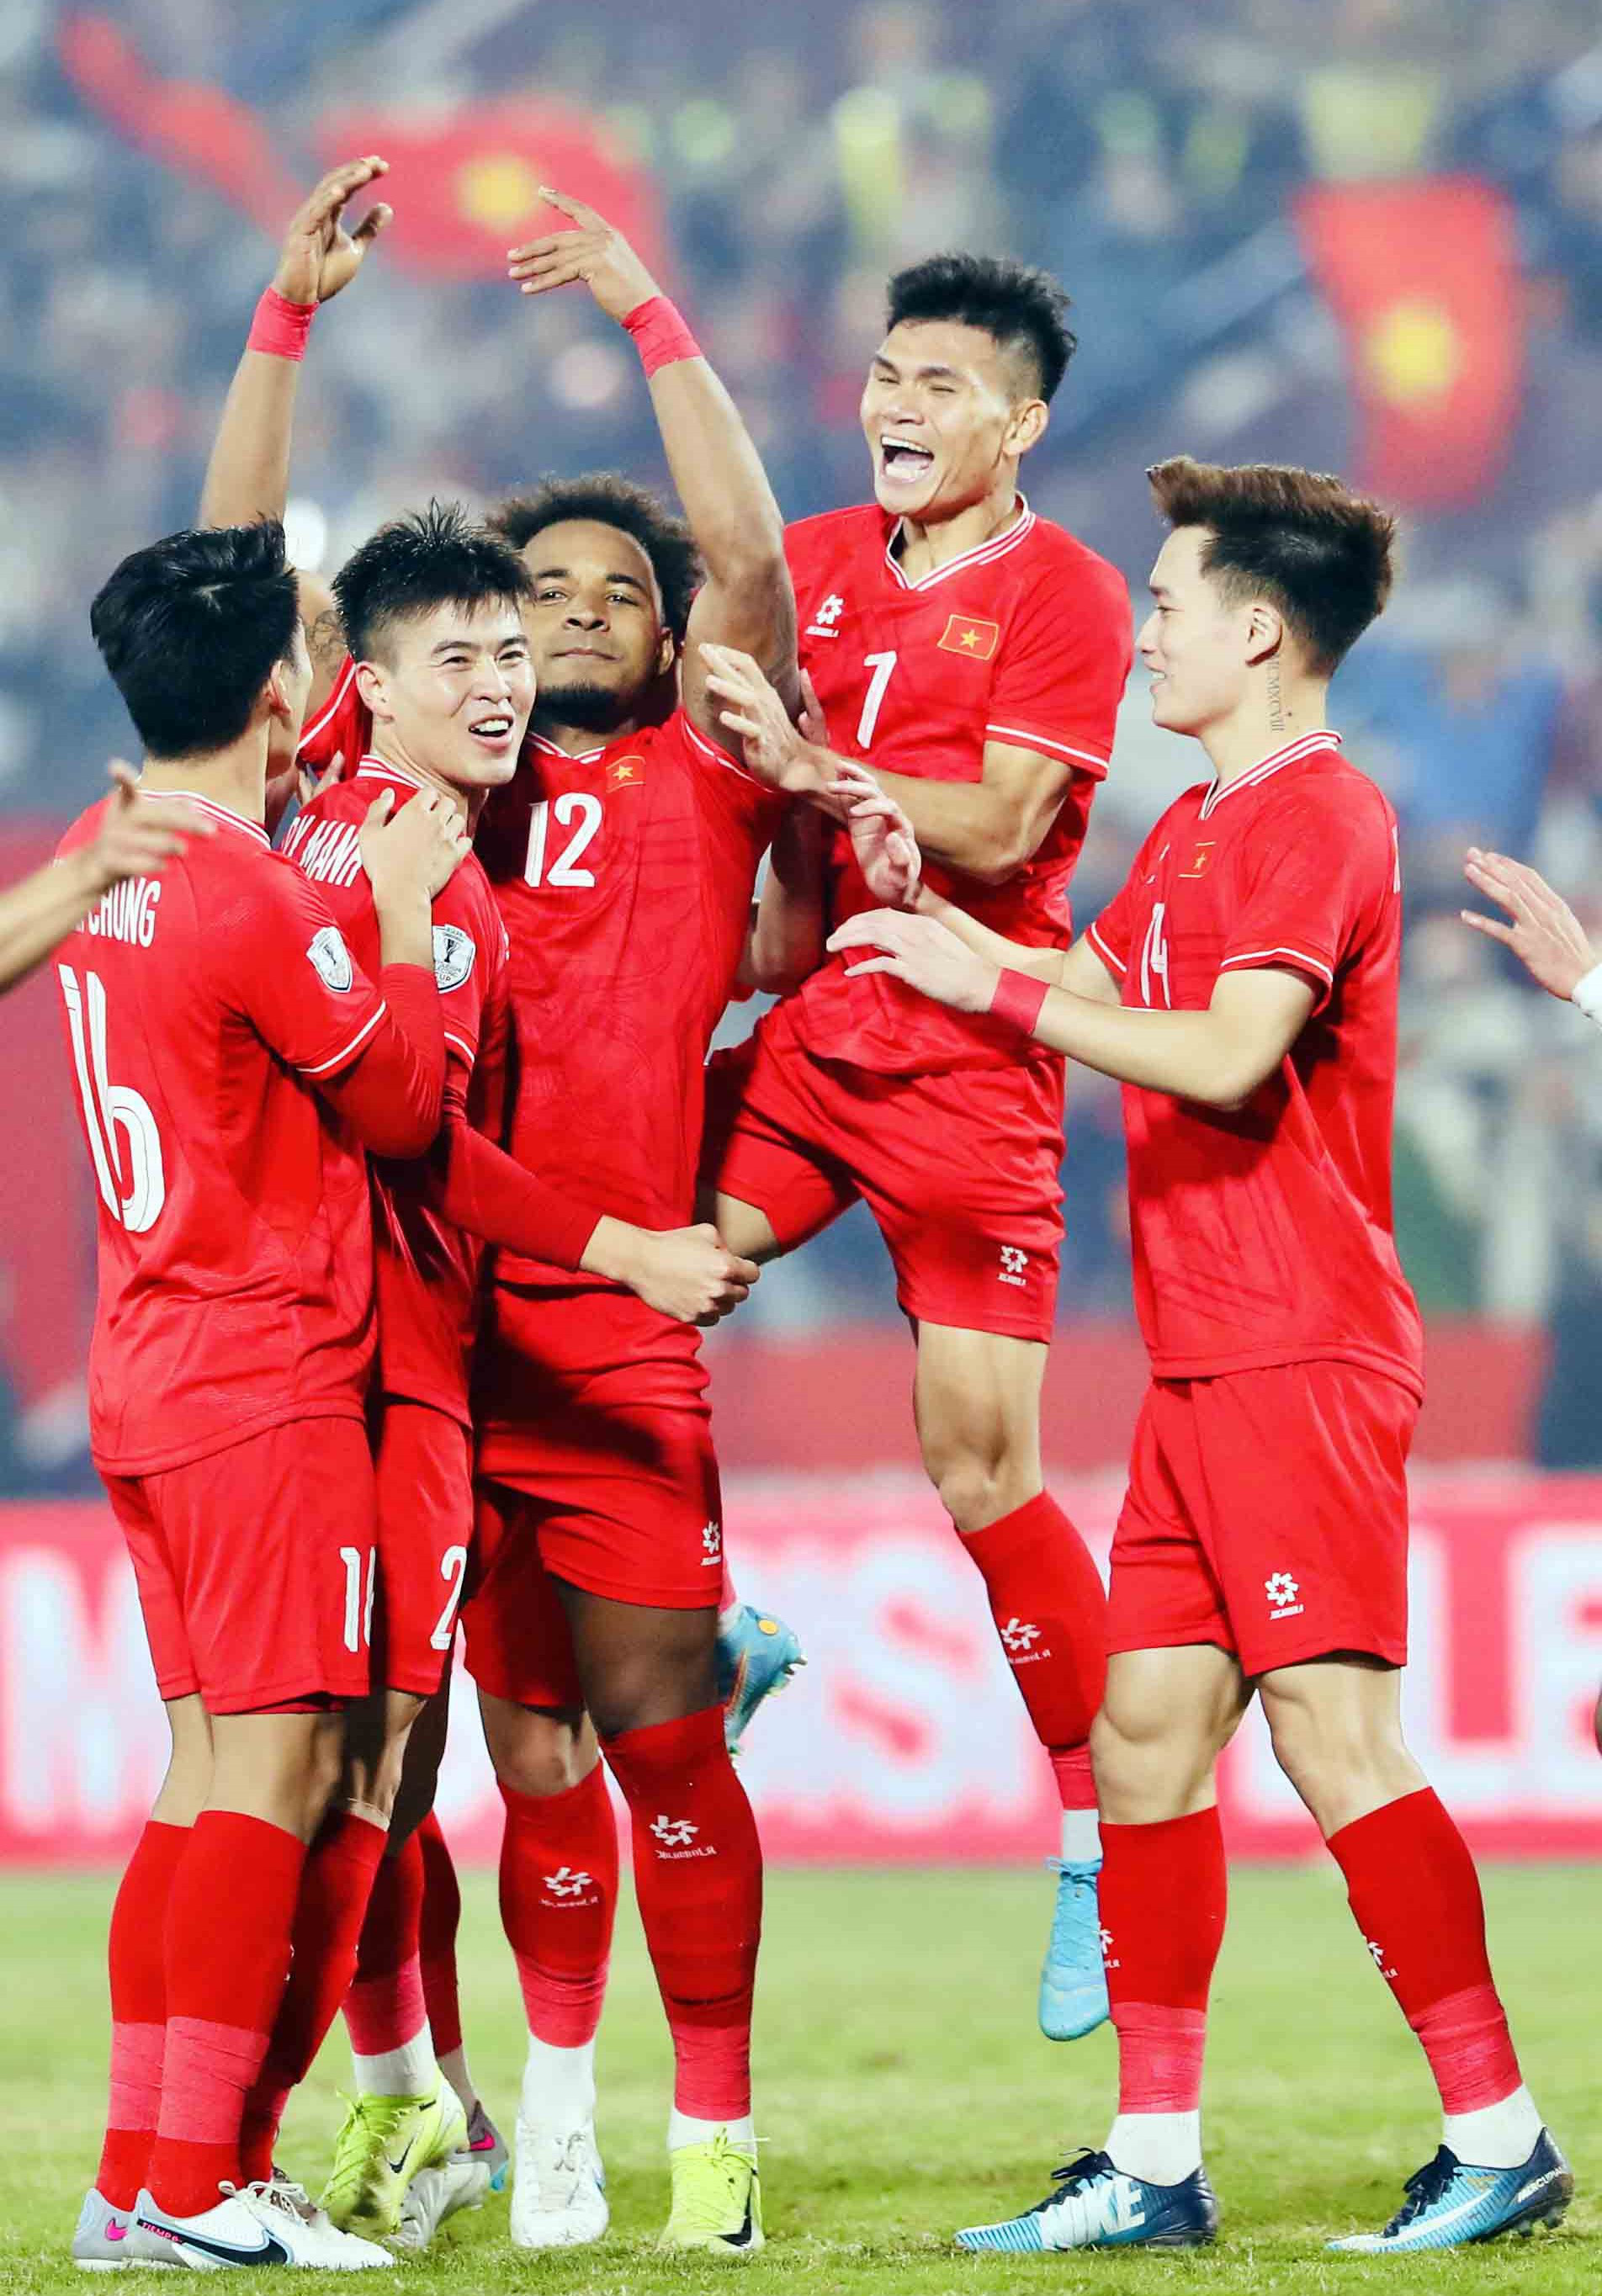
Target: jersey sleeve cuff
[
  {"x": 1080, "y": 755},
  {"x": 348, "y": 1051},
  {"x": 1114, "y": 963},
  {"x": 1317, "y": 969}
]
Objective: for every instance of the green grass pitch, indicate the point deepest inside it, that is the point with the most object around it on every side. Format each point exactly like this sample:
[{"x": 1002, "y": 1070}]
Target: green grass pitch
[{"x": 903, "y": 2090}]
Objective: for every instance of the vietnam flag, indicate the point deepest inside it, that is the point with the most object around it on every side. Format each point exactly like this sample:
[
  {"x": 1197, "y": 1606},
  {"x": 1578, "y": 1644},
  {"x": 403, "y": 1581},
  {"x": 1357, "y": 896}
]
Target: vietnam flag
[
  {"x": 465, "y": 186},
  {"x": 1424, "y": 277}
]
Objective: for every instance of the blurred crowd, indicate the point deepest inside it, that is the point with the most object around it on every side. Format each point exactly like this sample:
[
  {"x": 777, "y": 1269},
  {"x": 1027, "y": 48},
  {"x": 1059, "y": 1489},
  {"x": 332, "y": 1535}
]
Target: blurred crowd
[{"x": 1146, "y": 151}]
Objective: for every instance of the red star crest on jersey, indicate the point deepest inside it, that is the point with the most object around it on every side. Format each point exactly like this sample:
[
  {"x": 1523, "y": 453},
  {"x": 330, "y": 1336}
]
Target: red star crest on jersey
[
  {"x": 967, "y": 633},
  {"x": 624, "y": 772},
  {"x": 1200, "y": 857}
]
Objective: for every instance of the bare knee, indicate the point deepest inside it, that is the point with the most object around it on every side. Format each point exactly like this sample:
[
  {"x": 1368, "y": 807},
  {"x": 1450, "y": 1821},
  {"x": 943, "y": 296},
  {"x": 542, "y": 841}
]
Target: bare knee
[
  {"x": 1344, "y": 1753},
  {"x": 976, "y": 1402},
  {"x": 1167, "y": 1716},
  {"x": 538, "y": 1751}
]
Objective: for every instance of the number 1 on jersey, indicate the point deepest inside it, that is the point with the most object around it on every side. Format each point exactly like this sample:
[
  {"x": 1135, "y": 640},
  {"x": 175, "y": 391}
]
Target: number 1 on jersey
[{"x": 883, "y": 666}]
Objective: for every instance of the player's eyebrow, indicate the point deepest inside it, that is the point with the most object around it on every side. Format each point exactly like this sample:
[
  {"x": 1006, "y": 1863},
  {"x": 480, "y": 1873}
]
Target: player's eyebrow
[{"x": 922, "y": 373}]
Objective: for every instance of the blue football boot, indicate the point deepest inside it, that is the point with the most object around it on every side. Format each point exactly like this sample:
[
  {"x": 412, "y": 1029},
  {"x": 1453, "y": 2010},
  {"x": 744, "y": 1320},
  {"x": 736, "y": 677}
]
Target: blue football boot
[
  {"x": 1450, "y": 2202},
  {"x": 1094, "y": 2205},
  {"x": 757, "y": 1654},
  {"x": 1073, "y": 1982}
]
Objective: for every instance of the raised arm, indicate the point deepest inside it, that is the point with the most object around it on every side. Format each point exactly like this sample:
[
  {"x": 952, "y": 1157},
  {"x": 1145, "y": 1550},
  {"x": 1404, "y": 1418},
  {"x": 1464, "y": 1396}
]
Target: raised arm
[
  {"x": 746, "y": 600},
  {"x": 136, "y": 839},
  {"x": 247, "y": 474}
]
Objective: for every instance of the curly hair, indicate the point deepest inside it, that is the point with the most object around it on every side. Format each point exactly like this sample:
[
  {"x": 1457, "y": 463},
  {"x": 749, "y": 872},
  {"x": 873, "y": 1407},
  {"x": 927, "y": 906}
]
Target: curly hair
[{"x": 607, "y": 499}]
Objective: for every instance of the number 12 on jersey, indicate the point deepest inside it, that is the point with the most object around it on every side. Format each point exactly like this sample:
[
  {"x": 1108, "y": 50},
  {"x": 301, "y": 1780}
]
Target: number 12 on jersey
[{"x": 573, "y": 807}]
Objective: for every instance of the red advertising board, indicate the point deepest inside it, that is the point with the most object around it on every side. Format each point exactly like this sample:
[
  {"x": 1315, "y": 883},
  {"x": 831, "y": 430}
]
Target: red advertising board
[{"x": 904, "y": 1739}]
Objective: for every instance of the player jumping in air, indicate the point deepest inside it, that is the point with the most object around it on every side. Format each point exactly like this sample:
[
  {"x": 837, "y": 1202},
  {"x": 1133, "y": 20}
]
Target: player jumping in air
[
  {"x": 232, "y": 1060},
  {"x": 1243, "y": 988},
  {"x": 973, "y": 655},
  {"x": 441, "y": 672}
]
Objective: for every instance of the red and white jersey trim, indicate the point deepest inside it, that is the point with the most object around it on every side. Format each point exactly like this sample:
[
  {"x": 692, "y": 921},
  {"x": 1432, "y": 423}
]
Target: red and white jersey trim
[
  {"x": 1027, "y": 741},
  {"x": 573, "y": 757},
  {"x": 1275, "y": 762},
  {"x": 379, "y": 769},
  {"x": 718, "y": 756},
  {"x": 1113, "y": 963},
  {"x": 218, "y": 812},
  {"x": 981, "y": 555},
  {"x": 469, "y": 1052},
  {"x": 342, "y": 687},
  {"x": 325, "y": 1068},
  {"x": 1297, "y": 956}
]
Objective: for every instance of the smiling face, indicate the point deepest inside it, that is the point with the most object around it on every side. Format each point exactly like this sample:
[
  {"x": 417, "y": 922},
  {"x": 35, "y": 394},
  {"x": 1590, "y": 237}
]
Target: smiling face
[
  {"x": 452, "y": 689},
  {"x": 1198, "y": 644},
  {"x": 946, "y": 412},
  {"x": 595, "y": 624}
]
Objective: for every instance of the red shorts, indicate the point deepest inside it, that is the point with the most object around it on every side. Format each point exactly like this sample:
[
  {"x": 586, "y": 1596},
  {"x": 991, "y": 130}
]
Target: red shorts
[
  {"x": 593, "y": 1407},
  {"x": 423, "y": 1461},
  {"x": 515, "y": 1631},
  {"x": 959, "y": 1170},
  {"x": 255, "y": 1567},
  {"x": 1266, "y": 1513}
]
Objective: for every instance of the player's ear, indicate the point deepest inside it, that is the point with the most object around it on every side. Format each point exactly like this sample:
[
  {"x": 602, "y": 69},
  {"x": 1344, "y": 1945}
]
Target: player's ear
[
  {"x": 1026, "y": 426},
  {"x": 280, "y": 701},
  {"x": 373, "y": 686},
  {"x": 667, "y": 652},
  {"x": 1265, "y": 631}
]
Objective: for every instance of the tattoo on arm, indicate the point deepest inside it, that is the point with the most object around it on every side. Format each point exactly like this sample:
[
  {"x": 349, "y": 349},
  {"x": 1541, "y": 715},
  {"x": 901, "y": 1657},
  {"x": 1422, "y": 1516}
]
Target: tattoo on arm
[
  {"x": 325, "y": 640},
  {"x": 1275, "y": 701}
]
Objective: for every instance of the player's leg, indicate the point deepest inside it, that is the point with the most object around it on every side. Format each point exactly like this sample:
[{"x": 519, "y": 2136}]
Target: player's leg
[
  {"x": 1175, "y": 1692},
  {"x": 650, "y": 1681},
  {"x": 1416, "y": 1899},
  {"x": 135, "y": 1959},
  {"x": 1168, "y": 1714},
  {"x": 405, "y": 2117},
  {"x": 1317, "y": 1593},
  {"x": 264, "y": 1540},
  {"x": 558, "y": 1870},
  {"x": 976, "y": 1398}
]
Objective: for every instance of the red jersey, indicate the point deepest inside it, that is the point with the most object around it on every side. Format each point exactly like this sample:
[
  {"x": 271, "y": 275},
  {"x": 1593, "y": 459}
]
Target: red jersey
[
  {"x": 235, "y": 1252},
  {"x": 1025, "y": 640},
  {"x": 1262, "y": 1235},
  {"x": 427, "y": 1268},
  {"x": 625, "y": 878}
]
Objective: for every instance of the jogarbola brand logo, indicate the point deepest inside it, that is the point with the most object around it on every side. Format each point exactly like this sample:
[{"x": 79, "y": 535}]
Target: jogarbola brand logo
[
  {"x": 567, "y": 1881},
  {"x": 1019, "y": 1636},
  {"x": 624, "y": 773},
  {"x": 822, "y": 624},
  {"x": 1282, "y": 1591},
  {"x": 675, "y": 1840},
  {"x": 967, "y": 633}
]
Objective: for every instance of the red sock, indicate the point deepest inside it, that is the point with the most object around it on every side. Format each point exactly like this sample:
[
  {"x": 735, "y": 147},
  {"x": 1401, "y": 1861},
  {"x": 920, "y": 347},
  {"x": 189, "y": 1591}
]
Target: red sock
[
  {"x": 1050, "y": 1610},
  {"x": 441, "y": 1919},
  {"x": 1415, "y": 1896},
  {"x": 726, "y": 1587},
  {"x": 1164, "y": 1893},
  {"x": 698, "y": 1880},
  {"x": 384, "y": 2007},
  {"x": 559, "y": 1892},
  {"x": 136, "y": 1958},
  {"x": 335, "y": 1889},
  {"x": 229, "y": 1913}
]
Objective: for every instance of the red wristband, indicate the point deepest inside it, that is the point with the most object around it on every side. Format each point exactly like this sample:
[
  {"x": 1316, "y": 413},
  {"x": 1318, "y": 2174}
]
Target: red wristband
[
  {"x": 1018, "y": 997},
  {"x": 280, "y": 328},
  {"x": 660, "y": 334}
]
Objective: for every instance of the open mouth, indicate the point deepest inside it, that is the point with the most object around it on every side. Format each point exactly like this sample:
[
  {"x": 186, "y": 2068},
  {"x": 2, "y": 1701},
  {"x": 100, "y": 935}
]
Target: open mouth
[
  {"x": 494, "y": 730},
  {"x": 903, "y": 461}
]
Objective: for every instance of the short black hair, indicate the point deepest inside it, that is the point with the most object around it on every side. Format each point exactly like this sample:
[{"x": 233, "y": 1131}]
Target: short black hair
[
  {"x": 1024, "y": 309},
  {"x": 1302, "y": 539},
  {"x": 610, "y": 500},
  {"x": 190, "y": 629},
  {"x": 427, "y": 558}
]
